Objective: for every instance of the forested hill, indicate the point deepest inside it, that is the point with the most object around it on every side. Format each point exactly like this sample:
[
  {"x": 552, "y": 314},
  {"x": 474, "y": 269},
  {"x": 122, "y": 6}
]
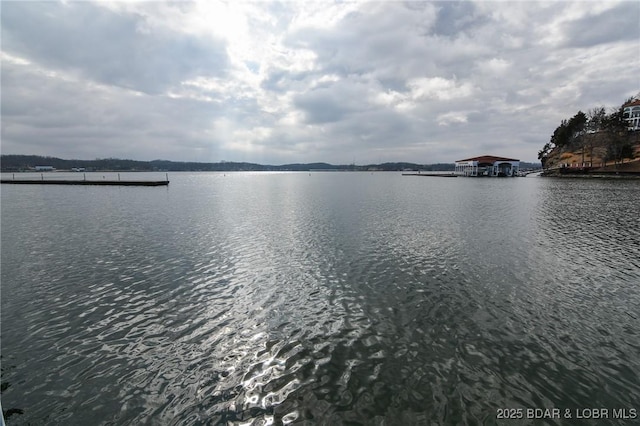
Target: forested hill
[
  {"x": 596, "y": 139},
  {"x": 16, "y": 163}
]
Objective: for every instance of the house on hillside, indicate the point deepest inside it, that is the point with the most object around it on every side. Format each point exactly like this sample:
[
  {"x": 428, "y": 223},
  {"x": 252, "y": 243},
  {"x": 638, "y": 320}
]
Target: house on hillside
[
  {"x": 631, "y": 113},
  {"x": 488, "y": 165}
]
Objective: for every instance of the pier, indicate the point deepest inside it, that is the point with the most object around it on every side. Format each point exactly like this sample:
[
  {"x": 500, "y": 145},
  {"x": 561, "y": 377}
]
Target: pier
[
  {"x": 88, "y": 182},
  {"x": 431, "y": 174},
  {"x": 84, "y": 181}
]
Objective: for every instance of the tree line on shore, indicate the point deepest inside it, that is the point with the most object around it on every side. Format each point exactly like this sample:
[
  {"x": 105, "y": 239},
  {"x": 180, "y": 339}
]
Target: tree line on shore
[
  {"x": 17, "y": 163},
  {"x": 585, "y": 132}
]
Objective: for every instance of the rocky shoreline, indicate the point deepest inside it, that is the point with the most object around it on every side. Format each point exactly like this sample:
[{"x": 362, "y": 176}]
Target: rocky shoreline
[{"x": 592, "y": 175}]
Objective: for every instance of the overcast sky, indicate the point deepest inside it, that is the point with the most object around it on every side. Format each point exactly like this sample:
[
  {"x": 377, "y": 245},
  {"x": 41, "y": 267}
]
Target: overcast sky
[{"x": 334, "y": 81}]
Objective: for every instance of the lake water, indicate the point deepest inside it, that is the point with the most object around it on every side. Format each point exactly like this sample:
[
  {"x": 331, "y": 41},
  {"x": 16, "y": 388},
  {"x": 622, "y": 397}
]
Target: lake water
[{"x": 320, "y": 298}]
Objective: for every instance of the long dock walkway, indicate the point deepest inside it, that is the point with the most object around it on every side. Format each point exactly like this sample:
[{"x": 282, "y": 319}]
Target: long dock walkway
[
  {"x": 431, "y": 174},
  {"x": 86, "y": 182}
]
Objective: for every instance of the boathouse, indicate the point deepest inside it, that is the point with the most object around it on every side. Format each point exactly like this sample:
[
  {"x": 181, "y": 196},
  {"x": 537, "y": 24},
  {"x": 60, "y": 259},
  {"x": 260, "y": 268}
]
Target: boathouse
[{"x": 487, "y": 165}]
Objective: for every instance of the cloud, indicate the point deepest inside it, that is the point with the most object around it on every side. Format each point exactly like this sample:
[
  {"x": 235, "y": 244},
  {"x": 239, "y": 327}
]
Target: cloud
[
  {"x": 452, "y": 117},
  {"x": 619, "y": 23},
  {"x": 456, "y": 17},
  {"x": 438, "y": 88},
  {"x": 108, "y": 47},
  {"x": 57, "y": 114},
  {"x": 303, "y": 82}
]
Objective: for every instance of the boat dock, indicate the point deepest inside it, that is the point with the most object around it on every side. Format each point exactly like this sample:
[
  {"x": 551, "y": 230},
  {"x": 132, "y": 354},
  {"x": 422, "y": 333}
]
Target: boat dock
[
  {"x": 87, "y": 182},
  {"x": 41, "y": 180},
  {"x": 431, "y": 174}
]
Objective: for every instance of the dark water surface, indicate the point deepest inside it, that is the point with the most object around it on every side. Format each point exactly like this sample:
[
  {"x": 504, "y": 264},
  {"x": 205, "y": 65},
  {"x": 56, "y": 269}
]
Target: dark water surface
[{"x": 325, "y": 298}]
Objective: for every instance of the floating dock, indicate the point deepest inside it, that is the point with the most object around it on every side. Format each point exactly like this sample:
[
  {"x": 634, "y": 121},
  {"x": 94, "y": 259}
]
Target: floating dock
[
  {"x": 431, "y": 174},
  {"x": 87, "y": 182}
]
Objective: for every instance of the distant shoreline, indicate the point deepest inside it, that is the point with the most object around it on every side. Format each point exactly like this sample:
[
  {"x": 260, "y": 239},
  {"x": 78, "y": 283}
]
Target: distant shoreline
[{"x": 33, "y": 163}]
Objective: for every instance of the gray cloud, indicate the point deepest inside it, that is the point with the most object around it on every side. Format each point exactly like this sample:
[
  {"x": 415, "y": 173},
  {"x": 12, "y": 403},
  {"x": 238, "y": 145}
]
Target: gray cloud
[
  {"x": 333, "y": 101},
  {"x": 371, "y": 41},
  {"x": 73, "y": 119},
  {"x": 455, "y": 17},
  {"x": 111, "y": 48},
  {"x": 613, "y": 25}
]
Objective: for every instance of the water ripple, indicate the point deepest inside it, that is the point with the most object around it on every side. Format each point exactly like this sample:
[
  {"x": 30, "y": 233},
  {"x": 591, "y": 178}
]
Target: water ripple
[{"x": 329, "y": 299}]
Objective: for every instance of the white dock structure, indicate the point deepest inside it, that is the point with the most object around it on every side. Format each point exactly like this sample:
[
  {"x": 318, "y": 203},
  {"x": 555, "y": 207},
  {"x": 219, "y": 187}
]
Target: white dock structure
[{"x": 488, "y": 165}]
